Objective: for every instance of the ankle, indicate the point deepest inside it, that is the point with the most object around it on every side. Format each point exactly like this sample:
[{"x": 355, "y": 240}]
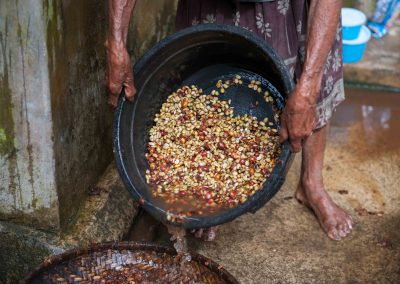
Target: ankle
[
  {"x": 313, "y": 188},
  {"x": 312, "y": 183}
]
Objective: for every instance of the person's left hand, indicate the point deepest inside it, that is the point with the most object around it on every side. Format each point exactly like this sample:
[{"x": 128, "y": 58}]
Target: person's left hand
[{"x": 299, "y": 117}]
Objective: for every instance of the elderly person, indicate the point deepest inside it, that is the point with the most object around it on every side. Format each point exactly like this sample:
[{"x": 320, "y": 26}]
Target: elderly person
[{"x": 307, "y": 36}]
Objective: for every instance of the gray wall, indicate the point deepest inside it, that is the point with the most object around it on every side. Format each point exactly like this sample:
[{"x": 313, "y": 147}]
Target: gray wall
[
  {"x": 27, "y": 181},
  {"x": 55, "y": 125},
  {"x": 81, "y": 118}
]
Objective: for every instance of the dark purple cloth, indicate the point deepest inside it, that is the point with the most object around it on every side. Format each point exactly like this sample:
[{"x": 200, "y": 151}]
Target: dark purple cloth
[{"x": 281, "y": 23}]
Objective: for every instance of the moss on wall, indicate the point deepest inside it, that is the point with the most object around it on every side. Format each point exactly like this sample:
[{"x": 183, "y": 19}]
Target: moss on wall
[
  {"x": 151, "y": 22},
  {"x": 6, "y": 120},
  {"x": 7, "y": 140}
]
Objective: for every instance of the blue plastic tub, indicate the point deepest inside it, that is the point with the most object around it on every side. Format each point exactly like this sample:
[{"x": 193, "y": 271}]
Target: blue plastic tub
[
  {"x": 352, "y": 21},
  {"x": 353, "y": 50}
]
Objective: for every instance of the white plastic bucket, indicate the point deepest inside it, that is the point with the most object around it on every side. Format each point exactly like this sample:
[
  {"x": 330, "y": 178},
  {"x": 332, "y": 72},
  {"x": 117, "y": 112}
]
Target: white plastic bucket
[{"x": 352, "y": 21}]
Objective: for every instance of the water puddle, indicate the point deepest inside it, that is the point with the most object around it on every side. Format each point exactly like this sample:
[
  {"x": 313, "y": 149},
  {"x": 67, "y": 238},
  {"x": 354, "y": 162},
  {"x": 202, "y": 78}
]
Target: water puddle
[{"x": 369, "y": 121}]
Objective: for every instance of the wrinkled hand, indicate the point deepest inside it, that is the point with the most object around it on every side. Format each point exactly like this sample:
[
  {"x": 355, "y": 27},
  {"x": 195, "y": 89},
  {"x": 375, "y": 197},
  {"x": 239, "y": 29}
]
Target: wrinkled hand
[
  {"x": 299, "y": 117},
  {"x": 119, "y": 72}
]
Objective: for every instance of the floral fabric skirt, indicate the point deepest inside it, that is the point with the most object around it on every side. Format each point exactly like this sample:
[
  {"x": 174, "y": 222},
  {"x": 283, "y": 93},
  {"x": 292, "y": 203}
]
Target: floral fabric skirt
[{"x": 282, "y": 24}]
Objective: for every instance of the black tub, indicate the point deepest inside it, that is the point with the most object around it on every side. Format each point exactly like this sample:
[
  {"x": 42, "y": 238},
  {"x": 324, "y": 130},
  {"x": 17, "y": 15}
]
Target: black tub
[{"x": 198, "y": 55}]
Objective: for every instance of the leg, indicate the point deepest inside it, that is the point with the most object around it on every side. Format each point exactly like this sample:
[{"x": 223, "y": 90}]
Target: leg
[{"x": 336, "y": 222}]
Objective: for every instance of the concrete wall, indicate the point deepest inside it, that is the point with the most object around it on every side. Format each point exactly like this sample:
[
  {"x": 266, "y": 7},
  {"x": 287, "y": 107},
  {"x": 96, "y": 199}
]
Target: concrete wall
[
  {"x": 81, "y": 118},
  {"x": 27, "y": 181},
  {"x": 55, "y": 126}
]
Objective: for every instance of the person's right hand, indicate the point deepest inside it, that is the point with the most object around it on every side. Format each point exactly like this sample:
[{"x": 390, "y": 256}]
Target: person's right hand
[
  {"x": 299, "y": 117},
  {"x": 119, "y": 72}
]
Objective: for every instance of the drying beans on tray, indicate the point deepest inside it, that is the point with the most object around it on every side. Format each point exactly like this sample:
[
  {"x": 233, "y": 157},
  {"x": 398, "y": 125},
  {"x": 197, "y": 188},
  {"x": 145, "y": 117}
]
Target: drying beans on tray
[
  {"x": 127, "y": 267},
  {"x": 200, "y": 151}
]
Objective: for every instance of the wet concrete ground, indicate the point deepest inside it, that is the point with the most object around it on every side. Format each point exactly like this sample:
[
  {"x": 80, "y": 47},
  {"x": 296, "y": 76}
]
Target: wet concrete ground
[{"x": 283, "y": 243}]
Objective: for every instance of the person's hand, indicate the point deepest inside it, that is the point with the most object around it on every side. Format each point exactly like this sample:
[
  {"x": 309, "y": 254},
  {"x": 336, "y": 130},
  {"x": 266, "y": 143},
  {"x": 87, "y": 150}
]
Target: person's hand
[
  {"x": 299, "y": 117},
  {"x": 119, "y": 72}
]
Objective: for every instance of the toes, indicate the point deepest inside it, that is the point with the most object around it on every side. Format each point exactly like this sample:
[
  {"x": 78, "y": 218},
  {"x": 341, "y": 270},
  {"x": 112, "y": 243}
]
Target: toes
[
  {"x": 342, "y": 230},
  {"x": 332, "y": 230},
  {"x": 339, "y": 229},
  {"x": 205, "y": 234},
  {"x": 209, "y": 235},
  {"x": 347, "y": 229},
  {"x": 334, "y": 235},
  {"x": 199, "y": 233},
  {"x": 350, "y": 223}
]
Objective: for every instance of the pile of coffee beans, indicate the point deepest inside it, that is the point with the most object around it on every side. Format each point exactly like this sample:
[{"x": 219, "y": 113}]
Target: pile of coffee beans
[{"x": 199, "y": 150}]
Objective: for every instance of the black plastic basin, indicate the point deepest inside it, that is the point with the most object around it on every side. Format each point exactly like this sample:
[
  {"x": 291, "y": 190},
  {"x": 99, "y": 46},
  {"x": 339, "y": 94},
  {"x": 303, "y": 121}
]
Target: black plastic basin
[{"x": 198, "y": 55}]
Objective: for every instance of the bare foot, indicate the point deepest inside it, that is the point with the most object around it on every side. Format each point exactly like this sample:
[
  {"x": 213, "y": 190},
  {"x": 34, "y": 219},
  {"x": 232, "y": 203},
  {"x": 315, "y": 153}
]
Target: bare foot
[
  {"x": 207, "y": 234},
  {"x": 335, "y": 221}
]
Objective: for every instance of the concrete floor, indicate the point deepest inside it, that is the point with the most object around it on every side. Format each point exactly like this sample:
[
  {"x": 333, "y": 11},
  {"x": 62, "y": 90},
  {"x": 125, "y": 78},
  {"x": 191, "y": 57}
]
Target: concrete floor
[{"x": 283, "y": 243}]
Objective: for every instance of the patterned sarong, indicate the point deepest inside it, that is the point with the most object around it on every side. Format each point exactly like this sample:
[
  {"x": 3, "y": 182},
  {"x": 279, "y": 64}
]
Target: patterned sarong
[{"x": 281, "y": 23}]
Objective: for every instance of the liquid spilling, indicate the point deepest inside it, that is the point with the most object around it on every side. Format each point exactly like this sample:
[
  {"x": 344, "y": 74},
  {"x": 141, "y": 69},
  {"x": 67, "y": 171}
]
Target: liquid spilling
[{"x": 180, "y": 243}]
